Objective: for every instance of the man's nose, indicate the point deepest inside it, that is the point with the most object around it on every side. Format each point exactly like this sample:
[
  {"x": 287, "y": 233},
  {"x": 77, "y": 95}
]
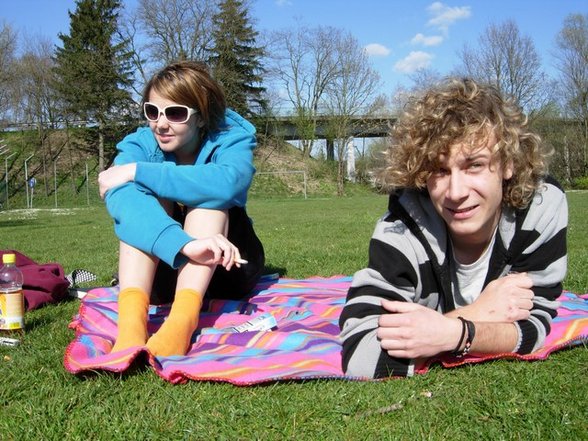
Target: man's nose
[{"x": 457, "y": 188}]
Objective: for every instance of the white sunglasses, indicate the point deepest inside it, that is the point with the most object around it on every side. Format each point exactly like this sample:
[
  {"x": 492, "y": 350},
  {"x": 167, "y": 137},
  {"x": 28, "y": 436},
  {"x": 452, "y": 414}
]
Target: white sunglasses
[{"x": 175, "y": 113}]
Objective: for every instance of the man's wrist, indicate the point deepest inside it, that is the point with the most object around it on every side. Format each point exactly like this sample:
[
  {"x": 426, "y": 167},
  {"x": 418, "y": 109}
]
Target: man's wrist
[
  {"x": 456, "y": 335},
  {"x": 468, "y": 333}
]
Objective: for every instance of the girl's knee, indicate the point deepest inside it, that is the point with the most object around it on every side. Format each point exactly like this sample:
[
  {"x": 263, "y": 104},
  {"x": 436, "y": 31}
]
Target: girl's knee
[{"x": 206, "y": 221}]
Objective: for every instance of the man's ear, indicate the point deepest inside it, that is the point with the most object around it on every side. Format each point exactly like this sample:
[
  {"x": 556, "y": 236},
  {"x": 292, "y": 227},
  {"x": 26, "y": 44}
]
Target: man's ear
[{"x": 508, "y": 171}]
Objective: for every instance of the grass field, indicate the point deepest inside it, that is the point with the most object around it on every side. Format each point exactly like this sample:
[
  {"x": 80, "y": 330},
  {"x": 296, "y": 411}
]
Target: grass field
[{"x": 39, "y": 400}]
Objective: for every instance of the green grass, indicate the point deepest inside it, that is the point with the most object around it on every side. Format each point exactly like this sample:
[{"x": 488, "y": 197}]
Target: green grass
[{"x": 498, "y": 400}]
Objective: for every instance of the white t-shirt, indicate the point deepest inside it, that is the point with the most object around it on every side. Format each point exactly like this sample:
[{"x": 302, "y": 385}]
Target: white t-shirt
[{"x": 469, "y": 278}]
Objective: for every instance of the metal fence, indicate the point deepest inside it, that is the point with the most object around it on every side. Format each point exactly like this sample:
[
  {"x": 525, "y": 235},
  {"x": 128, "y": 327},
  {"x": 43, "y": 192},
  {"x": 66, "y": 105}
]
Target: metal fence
[
  {"x": 60, "y": 187},
  {"x": 21, "y": 189}
]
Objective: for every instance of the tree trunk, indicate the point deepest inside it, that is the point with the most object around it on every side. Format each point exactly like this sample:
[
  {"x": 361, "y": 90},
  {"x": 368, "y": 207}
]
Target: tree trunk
[
  {"x": 101, "y": 147},
  {"x": 41, "y": 136},
  {"x": 340, "y": 177},
  {"x": 567, "y": 165},
  {"x": 71, "y": 160},
  {"x": 306, "y": 147}
]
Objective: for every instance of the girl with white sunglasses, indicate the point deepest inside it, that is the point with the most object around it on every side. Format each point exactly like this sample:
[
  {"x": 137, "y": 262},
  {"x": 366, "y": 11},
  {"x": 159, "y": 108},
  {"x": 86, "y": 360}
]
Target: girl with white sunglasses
[{"x": 177, "y": 194}]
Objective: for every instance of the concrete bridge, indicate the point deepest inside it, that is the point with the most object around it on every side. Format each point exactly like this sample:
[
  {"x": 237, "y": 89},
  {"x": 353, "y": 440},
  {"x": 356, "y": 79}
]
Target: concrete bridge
[{"x": 360, "y": 127}]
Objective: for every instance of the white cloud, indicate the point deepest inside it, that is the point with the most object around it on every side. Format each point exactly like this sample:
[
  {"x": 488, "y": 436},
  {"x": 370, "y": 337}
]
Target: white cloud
[
  {"x": 281, "y": 3},
  {"x": 377, "y": 50},
  {"x": 433, "y": 40},
  {"x": 444, "y": 16},
  {"x": 414, "y": 61}
]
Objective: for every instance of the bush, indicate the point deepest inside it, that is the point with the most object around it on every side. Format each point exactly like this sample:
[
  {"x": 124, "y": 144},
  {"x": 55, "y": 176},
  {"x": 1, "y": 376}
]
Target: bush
[{"x": 581, "y": 183}]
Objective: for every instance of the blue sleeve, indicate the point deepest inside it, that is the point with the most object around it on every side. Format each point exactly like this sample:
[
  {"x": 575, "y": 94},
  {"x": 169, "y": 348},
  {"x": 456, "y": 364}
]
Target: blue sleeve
[
  {"x": 139, "y": 146},
  {"x": 219, "y": 184},
  {"x": 139, "y": 219}
]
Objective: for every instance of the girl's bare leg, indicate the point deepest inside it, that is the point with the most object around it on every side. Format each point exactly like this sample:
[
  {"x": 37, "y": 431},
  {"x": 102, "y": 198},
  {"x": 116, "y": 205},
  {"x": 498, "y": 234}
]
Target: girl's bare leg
[
  {"x": 136, "y": 270},
  {"x": 173, "y": 338}
]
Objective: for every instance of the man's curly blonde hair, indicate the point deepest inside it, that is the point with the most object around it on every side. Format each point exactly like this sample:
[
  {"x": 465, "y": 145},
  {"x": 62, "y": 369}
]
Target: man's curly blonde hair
[{"x": 463, "y": 111}]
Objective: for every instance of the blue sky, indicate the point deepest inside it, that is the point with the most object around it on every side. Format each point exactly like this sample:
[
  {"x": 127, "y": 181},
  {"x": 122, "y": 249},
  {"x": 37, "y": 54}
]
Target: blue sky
[{"x": 400, "y": 35}]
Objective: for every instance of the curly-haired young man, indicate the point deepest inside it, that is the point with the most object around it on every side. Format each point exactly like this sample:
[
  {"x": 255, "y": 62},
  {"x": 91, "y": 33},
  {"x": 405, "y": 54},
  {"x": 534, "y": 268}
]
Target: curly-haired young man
[{"x": 472, "y": 251}]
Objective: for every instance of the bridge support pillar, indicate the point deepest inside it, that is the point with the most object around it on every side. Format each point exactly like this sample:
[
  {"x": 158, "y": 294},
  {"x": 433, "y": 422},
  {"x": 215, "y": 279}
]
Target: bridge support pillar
[{"x": 351, "y": 160}]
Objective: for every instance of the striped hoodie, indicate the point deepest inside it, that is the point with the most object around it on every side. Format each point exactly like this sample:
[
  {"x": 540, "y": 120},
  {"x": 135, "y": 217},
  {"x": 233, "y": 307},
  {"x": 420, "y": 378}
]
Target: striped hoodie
[{"x": 410, "y": 260}]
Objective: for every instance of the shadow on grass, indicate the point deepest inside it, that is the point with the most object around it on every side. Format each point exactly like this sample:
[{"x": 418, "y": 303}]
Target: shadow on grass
[
  {"x": 19, "y": 223},
  {"x": 270, "y": 269}
]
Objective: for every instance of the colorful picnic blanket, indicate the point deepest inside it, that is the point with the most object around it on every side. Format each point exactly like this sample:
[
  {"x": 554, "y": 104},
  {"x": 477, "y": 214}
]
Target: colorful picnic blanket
[{"x": 304, "y": 344}]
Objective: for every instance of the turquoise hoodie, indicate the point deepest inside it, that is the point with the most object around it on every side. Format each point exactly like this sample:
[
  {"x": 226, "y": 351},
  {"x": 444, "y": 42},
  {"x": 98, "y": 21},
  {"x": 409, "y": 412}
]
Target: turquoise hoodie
[{"x": 220, "y": 182}]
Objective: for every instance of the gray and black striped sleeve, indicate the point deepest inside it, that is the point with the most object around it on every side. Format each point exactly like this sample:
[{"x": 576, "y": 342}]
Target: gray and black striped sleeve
[
  {"x": 392, "y": 274},
  {"x": 545, "y": 260}
]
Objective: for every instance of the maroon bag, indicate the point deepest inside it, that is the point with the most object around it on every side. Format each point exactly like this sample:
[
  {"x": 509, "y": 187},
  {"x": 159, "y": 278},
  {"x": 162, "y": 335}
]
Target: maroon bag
[{"x": 43, "y": 283}]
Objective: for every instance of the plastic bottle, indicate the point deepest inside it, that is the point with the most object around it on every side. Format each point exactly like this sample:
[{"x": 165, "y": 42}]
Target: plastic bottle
[{"x": 12, "y": 306}]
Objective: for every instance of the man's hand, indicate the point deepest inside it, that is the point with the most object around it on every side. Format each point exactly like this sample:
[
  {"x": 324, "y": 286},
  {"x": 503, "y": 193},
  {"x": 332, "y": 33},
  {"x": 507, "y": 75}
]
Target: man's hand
[
  {"x": 415, "y": 331},
  {"x": 213, "y": 250},
  {"x": 507, "y": 299},
  {"x": 115, "y": 176}
]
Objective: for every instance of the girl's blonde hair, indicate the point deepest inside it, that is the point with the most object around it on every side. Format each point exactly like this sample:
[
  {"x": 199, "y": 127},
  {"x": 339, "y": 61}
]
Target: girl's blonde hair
[{"x": 463, "y": 111}]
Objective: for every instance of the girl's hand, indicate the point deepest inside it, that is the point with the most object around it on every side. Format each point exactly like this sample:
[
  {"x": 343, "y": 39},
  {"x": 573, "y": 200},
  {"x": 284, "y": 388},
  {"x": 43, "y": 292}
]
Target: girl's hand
[
  {"x": 213, "y": 250},
  {"x": 115, "y": 176}
]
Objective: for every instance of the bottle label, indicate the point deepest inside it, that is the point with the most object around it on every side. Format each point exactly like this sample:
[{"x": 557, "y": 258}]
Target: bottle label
[{"x": 11, "y": 310}]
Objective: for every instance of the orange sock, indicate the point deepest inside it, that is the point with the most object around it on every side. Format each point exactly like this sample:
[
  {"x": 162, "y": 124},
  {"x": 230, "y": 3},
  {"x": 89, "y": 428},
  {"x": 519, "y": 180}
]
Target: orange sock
[
  {"x": 133, "y": 309},
  {"x": 173, "y": 338}
]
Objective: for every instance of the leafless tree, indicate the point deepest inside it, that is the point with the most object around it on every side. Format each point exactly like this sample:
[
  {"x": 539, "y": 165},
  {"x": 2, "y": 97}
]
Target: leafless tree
[
  {"x": 425, "y": 78},
  {"x": 130, "y": 31},
  {"x": 303, "y": 63},
  {"x": 35, "y": 100},
  {"x": 350, "y": 99},
  {"x": 422, "y": 79},
  {"x": 509, "y": 61},
  {"x": 7, "y": 49},
  {"x": 572, "y": 62},
  {"x": 176, "y": 29}
]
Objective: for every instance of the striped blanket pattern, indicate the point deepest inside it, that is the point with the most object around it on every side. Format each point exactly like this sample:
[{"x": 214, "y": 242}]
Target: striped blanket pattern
[{"x": 305, "y": 344}]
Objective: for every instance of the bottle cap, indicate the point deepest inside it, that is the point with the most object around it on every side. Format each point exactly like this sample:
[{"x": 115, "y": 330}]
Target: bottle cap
[{"x": 8, "y": 258}]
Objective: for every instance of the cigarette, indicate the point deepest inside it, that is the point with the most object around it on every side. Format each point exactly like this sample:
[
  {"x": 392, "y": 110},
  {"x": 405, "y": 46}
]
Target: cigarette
[{"x": 241, "y": 261}]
